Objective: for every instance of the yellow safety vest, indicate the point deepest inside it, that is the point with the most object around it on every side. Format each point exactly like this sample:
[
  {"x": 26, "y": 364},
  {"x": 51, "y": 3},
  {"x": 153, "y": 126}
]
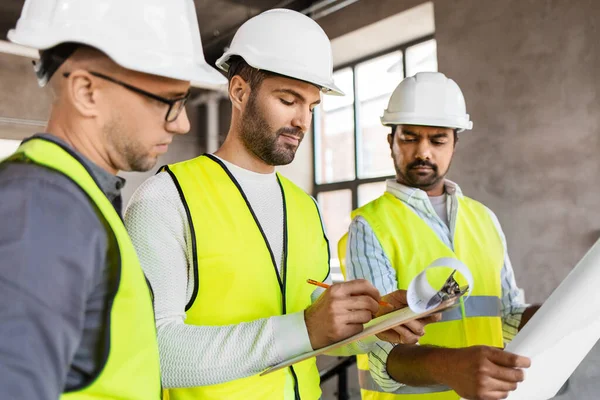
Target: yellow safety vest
[
  {"x": 235, "y": 275},
  {"x": 131, "y": 369},
  {"x": 411, "y": 245}
]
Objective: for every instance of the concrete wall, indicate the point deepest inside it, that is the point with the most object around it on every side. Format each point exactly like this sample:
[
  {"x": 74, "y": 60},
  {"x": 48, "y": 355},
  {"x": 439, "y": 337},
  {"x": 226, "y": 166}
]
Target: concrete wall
[
  {"x": 529, "y": 71},
  {"x": 20, "y": 96}
]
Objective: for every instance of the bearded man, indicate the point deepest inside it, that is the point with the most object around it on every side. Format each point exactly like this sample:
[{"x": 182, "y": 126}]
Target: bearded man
[{"x": 228, "y": 244}]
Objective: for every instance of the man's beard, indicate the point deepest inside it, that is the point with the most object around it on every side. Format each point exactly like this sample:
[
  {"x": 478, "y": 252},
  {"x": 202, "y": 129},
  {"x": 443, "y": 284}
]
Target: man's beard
[
  {"x": 131, "y": 155},
  {"x": 413, "y": 178},
  {"x": 258, "y": 137}
]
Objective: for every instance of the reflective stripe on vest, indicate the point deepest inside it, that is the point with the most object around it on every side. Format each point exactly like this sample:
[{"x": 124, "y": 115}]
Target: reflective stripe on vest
[
  {"x": 131, "y": 366},
  {"x": 410, "y": 245},
  {"x": 236, "y": 274},
  {"x": 475, "y": 306}
]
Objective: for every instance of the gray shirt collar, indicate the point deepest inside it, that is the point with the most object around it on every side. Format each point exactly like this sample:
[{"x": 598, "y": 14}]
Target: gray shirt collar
[{"x": 110, "y": 184}]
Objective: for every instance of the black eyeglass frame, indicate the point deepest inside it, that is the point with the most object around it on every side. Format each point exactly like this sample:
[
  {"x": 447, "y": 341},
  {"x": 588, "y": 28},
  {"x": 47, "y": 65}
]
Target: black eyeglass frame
[{"x": 170, "y": 102}]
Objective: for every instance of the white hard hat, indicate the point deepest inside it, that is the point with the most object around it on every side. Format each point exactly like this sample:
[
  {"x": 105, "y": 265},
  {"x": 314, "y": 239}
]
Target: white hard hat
[
  {"x": 152, "y": 36},
  {"x": 288, "y": 43},
  {"x": 428, "y": 98}
]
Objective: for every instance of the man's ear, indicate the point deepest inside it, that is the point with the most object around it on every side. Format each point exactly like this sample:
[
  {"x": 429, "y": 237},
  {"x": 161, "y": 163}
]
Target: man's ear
[
  {"x": 239, "y": 90},
  {"x": 391, "y": 136},
  {"x": 82, "y": 92},
  {"x": 390, "y": 139}
]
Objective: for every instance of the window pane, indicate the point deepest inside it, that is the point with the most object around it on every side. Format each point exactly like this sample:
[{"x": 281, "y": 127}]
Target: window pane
[
  {"x": 421, "y": 57},
  {"x": 7, "y": 147},
  {"x": 343, "y": 79},
  {"x": 334, "y": 132},
  {"x": 376, "y": 80},
  {"x": 336, "y": 207},
  {"x": 379, "y": 76},
  {"x": 369, "y": 192}
]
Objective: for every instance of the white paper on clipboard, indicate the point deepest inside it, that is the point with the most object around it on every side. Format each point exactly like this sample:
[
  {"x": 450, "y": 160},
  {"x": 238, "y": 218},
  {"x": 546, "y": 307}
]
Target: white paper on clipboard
[
  {"x": 562, "y": 332},
  {"x": 419, "y": 294}
]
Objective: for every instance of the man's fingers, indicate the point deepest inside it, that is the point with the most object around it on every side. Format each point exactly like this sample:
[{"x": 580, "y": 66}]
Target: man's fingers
[
  {"x": 509, "y": 360},
  {"x": 406, "y": 335},
  {"x": 502, "y": 385},
  {"x": 356, "y": 303},
  {"x": 495, "y": 389},
  {"x": 396, "y": 299},
  {"x": 508, "y": 375},
  {"x": 357, "y": 317},
  {"x": 415, "y": 327},
  {"x": 497, "y": 395},
  {"x": 390, "y": 336},
  {"x": 437, "y": 317},
  {"x": 356, "y": 287}
]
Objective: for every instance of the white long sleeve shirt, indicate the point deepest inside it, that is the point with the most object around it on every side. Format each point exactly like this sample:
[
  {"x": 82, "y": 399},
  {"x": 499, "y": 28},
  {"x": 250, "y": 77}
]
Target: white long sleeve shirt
[
  {"x": 193, "y": 355},
  {"x": 367, "y": 259}
]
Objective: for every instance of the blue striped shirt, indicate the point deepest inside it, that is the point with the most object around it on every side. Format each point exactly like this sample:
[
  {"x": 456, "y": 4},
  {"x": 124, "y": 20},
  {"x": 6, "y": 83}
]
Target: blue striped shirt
[{"x": 366, "y": 259}]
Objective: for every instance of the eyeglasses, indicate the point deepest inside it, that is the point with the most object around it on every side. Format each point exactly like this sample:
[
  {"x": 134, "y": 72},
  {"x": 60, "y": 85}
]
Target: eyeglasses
[{"x": 175, "y": 105}]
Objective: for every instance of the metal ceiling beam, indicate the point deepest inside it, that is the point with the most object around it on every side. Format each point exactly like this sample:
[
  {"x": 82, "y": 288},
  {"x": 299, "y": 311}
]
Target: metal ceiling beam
[
  {"x": 228, "y": 34},
  {"x": 323, "y": 11},
  {"x": 10, "y": 10}
]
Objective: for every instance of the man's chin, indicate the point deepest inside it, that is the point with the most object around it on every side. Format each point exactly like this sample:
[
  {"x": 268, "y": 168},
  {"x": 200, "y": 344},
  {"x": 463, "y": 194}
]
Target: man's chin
[
  {"x": 285, "y": 155},
  {"x": 424, "y": 184},
  {"x": 280, "y": 161},
  {"x": 144, "y": 165},
  {"x": 425, "y": 179}
]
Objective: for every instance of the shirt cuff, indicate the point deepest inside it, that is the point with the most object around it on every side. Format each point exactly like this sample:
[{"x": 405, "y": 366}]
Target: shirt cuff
[
  {"x": 378, "y": 367},
  {"x": 291, "y": 335},
  {"x": 510, "y": 324}
]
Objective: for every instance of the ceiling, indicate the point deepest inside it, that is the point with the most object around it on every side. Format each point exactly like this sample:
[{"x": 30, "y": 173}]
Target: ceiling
[{"x": 218, "y": 19}]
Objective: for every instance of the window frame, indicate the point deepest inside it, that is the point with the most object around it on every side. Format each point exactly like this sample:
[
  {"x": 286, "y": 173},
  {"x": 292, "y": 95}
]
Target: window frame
[{"x": 356, "y": 182}]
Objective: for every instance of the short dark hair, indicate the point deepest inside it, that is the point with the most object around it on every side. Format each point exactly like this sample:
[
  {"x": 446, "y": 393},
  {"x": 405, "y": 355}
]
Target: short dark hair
[
  {"x": 454, "y": 130},
  {"x": 51, "y": 59},
  {"x": 253, "y": 76}
]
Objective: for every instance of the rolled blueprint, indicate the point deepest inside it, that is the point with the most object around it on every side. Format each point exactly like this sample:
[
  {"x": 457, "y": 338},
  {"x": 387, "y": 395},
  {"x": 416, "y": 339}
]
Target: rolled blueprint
[{"x": 562, "y": 332}]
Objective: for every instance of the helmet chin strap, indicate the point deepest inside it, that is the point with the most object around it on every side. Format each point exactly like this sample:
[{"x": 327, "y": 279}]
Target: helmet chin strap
[{"x": 51, "y": 60}]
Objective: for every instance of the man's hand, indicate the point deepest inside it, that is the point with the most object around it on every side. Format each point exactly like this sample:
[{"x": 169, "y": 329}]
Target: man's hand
[
  {"x": 484, "y": 373},
  {"x": 408, "y": 333},
  {"x": 340, "y": 312}
]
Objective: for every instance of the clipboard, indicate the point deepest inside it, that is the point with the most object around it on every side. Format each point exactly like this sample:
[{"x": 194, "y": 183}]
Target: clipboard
[{"x": 375, "y": 326}]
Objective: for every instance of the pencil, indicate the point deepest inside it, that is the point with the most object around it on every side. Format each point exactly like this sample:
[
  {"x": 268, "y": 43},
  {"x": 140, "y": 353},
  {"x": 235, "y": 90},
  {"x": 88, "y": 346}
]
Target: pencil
[{"x": 325, "y": 286}]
